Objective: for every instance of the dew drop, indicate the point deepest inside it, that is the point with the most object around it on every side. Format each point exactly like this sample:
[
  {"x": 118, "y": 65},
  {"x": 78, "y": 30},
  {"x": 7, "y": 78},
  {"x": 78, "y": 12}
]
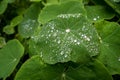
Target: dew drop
[
  {"x": 119, "y": 59},
  {"x": 67, "y": 30},
  {"x": 94, "y": 19},
  {"x": 59, "y": 41},
  {"x": 65, "y": 56},
  {"x": 75, "y": 40},
  {"x": 78, "y": 43},
  {"x": 62, "y": 52}
]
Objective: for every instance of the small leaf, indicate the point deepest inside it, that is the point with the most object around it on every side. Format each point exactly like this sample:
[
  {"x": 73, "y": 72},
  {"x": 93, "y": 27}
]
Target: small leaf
[
  {"x": 9, "y": 57},
  {"x": 36, "y": 69},
  {"x": 110, "y": 46},
  {"x": 29, "y": 23},
  {"x": 52, "y": 11},
  {"x": 96, "y": 13},
  {"x": 8, "y": 29},
  {"x": 62, "y": 39},
  {"x": 15, "y": 21}
]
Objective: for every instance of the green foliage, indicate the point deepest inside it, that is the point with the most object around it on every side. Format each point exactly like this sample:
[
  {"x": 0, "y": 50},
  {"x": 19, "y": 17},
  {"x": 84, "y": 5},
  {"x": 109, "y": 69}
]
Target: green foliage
[
  {"x": 72, "y": 71},
  {"x": 59, "y": 39},
  {"x": 10, "y": 56}
]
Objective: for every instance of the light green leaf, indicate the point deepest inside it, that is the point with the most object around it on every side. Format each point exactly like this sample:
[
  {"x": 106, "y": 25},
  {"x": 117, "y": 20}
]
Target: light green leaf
[
  {"x": 96, "y": 13},
  {"x": 15, "y": 21},
  {"x": 9, "y": 57},
  {"x": 36, "y": 69},
  {"x": 51, "y": 11},
  {"x": 29, "y": 23},
  {"x": 70, "y": 37},
  {"x": 9, "y": 29},
  {"x": 110, "y": 46},
  {"x": 3, "y": 6}
]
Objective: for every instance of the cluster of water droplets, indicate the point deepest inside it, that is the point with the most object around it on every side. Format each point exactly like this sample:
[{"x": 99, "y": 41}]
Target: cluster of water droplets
[
  {"x": 77, "y": 15},
  {"x": 96, "y": 18},
  {"x": 28, "y": 26},
  {"x": 60, "y": 40}
]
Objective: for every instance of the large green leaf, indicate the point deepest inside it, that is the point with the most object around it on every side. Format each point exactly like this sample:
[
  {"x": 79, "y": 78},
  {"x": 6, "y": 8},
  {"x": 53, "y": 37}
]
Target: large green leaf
[
  {"x": 51, "y": 11},
  {"x": 29, "y": 23},
  {"x": 96, "y": 13},
  {"x": 70, "y": 37},
  {"x": 9, "y": 57},
  {"x": 36, "y": 69},
  {"x": 110, "y": 47}
]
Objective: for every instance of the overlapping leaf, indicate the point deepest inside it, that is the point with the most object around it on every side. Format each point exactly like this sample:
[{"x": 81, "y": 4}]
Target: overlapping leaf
[
  {"x": 70, "y": 37},
  {"x": 110, "y": 47},
  {"x": 96, "y": 13},
  {"x": 9, "y": 57},
  {"x": 51, "y": 11},
  {"x": 29, "y": 23},
  {"x": 36, "y": 69}
]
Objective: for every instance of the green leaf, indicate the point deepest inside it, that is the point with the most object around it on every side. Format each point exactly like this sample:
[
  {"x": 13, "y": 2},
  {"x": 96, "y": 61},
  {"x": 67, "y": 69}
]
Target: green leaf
[
  {"x": 29, "y": 23},
  {"x": 36, "y": 69},
  {"x": 15, "y": 21},
  {"x": 62, "y": 39},
  {"x": 9, "y": 29},
  {"x": 96, "y": 13},
  {"x": 3, "y": 6},
  {"x": 110, "y": 46},
  {"x": 51, "y": 11},
  {"x": 9, "y": 57},
  {"x": 49, "y": 2}
]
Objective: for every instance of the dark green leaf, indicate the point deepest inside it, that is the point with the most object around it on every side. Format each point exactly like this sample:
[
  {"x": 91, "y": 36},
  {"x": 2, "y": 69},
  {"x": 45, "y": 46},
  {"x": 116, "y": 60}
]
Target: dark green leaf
[
  {"x": 9, "y": 57},
  {"x": 36, "y": 69},
  {"x": 110, "y": 46}
]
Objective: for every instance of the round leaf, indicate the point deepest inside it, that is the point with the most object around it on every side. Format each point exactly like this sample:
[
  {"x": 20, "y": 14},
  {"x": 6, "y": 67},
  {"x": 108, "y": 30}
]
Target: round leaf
[{"x": 70, "y": 37}]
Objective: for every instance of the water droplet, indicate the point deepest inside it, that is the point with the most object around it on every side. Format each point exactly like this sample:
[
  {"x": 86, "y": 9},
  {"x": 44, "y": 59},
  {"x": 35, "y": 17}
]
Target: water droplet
[
  {"x": 59, "y": 41},
  {"x": 63, "y": 75},
  {"x": 94, "y": 19},
  {"x": 62, "y": 52},
  {"x": 67, "y": 30},
  {"x": 55, "y": 34},
  {"x": 78, "y": 43},
  {"x": 66, "y": 56},
  {"x": 75, "y": 40},
  {"x": 119, "y": 59}
]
